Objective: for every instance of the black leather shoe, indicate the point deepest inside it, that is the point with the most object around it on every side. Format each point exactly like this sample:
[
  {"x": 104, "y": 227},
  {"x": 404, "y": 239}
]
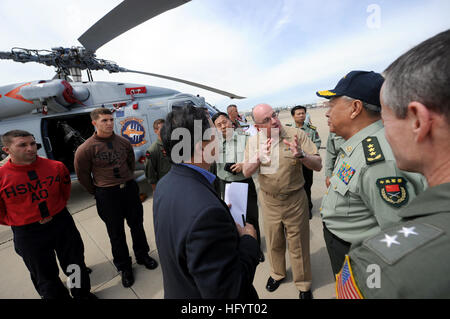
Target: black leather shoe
[
  {"x": 273, "y": 284},
  {"x": 127, "y": 278},
  {"x": 305, "y": 295},
  {"x": 148, "y": 262}
]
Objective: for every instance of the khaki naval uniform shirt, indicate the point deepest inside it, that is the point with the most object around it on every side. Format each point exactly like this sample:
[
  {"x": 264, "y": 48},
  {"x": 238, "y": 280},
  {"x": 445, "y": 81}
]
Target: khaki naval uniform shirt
[
  {"x": 367, "y": 189},
  {"x": 283, "y": 173},
  {"x": 413, "y": 256},
  {"x": 284, "y": 204}
]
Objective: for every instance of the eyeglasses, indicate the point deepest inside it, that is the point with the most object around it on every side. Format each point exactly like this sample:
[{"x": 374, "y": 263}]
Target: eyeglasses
[{"x": 268, "y": 119}]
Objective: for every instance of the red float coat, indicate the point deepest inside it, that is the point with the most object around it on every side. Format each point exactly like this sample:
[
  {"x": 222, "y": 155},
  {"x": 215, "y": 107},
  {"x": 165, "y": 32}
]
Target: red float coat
[{"x": 30, "y": 193}]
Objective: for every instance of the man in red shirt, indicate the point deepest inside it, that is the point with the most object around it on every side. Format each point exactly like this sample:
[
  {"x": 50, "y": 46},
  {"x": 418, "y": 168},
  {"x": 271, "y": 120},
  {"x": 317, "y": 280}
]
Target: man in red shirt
[{"x": 33, "y": 196}]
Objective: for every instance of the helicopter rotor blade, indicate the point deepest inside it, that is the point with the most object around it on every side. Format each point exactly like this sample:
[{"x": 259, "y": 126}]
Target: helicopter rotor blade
[
  {"x": 230, "y": 95},
  {"x": 127, "y": 15}
]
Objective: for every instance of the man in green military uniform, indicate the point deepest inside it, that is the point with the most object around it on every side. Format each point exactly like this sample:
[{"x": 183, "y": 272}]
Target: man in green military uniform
[
  {"x": 231, "y": 151},
  {"x": 157, "y": 162},
  {"x": 299, "y": 115},
  {"x": 411, "y": 258},
  {"x": 366, "y": 187},
  {"x": 334, "y": 143}
]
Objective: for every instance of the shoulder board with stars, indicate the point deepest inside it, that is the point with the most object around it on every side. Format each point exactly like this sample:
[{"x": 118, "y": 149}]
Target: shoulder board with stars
[
  {"x": 372, "y": 150},
  {"x": 393, "y": 190},
  {"x": 394, "y": 243},
  {"x": 312, "y": 127}
]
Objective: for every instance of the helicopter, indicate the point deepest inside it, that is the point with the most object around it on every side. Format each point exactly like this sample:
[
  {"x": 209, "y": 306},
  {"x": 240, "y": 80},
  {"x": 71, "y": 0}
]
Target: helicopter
[{"x": 57, "y": 111}]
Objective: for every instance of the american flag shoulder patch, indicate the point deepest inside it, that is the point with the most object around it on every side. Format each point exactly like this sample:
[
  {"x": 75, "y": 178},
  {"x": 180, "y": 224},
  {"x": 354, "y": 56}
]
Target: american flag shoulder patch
[{"x": 346, "y": 287}]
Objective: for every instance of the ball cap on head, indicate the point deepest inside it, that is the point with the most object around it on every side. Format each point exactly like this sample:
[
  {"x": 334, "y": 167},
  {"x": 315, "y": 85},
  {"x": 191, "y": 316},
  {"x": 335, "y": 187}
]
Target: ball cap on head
[{"x": 360, "y": 85}]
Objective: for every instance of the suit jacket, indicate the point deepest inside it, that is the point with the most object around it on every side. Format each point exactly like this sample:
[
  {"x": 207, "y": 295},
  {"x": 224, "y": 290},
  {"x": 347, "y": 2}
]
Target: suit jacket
[{"x": 200, "y": 250}]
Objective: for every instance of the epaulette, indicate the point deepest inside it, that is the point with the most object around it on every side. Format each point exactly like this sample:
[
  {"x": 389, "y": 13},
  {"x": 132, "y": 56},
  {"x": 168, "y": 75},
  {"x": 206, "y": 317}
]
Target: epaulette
[
  {"x": 394, "y": 243},
  {"x": 288, "y": 124},
  {"x": 372, "y": 150},
  {"x": 312, "y": 127}
]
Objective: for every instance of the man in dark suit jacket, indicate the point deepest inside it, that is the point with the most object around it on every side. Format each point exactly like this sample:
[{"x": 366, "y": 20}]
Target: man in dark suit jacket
[{"x": 203, "y": 252}]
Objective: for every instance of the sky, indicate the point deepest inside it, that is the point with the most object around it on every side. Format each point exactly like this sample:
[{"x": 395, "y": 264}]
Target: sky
[{"x": 278, "y": 52}]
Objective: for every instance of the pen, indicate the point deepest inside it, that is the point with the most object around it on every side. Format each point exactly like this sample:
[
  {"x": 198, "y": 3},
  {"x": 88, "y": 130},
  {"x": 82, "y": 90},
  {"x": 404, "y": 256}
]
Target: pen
[{"x": 243, "y": 219}]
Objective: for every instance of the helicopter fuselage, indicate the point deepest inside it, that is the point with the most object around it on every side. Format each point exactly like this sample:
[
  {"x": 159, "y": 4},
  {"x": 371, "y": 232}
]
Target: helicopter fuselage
[{"x": 57, "y": 113}]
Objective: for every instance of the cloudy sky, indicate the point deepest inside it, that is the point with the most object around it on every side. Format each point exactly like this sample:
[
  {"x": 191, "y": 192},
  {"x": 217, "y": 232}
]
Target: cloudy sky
[{"x": 275, "y": 51}]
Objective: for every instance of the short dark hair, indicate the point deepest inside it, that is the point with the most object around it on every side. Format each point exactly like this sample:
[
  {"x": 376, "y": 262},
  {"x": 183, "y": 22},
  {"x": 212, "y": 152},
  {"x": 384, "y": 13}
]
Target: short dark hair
[
  {"x": 184, "y": 117},
  {"x": 95, "y": 114},
  {"x": 157, "y": 122},
  {"x": 298, "y": 107},
  {"x": 217, "y": 115},
  {"x": 8, "y": 136},
  {"x": 230, "y": 106},
  {"x": 422, "y": 74}
]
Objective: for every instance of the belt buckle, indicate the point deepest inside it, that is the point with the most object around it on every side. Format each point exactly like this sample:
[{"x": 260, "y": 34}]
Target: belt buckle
[
  {"x": 45, "y": 220},
  {"x": 122, "y": 185}
]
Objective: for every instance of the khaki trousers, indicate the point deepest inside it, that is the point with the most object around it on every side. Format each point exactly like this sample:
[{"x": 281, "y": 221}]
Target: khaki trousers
[{"x": 286, "y": 218}]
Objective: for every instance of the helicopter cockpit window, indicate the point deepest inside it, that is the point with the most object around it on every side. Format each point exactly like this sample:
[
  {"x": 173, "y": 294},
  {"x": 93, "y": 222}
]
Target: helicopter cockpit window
[
  {"x": 210, "y": 109},
  {"x": 180, "y": 104}
]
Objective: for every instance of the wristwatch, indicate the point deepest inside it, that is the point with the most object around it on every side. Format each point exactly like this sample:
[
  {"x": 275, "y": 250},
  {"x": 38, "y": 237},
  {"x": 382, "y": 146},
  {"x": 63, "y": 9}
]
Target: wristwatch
[{"x": 302, "y": 154}]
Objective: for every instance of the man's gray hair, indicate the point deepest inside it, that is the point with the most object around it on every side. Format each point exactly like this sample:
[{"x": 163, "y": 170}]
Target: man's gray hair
[
  {"x": 422, "y": 74},
  {"x": 373, "y": 110}
]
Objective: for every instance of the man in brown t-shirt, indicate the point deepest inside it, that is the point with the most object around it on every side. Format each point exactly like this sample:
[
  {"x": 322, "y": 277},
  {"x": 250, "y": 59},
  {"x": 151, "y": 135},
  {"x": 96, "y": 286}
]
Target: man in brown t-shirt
[
  {"x": 105, "y": 167},
  {"x": 278, "y": 153}
]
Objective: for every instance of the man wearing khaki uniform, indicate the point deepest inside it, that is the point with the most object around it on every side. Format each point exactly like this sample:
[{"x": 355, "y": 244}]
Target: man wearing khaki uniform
[{"x": 277, "y": 153}]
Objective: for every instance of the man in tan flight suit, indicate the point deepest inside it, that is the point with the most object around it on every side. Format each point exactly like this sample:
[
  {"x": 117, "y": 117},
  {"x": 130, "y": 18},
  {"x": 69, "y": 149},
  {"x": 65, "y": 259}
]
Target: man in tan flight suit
[{"x": 278, "y": 153}]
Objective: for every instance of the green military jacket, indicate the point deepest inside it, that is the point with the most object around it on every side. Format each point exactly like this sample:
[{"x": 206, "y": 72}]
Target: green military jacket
[
  {"x": 334, "y": 143},
  {"x": 231, "y": 151},
  {"x": 311, "y": 132},
  {"x": 412, "y": 257},
  {"x": 367, "y": 189},
  {"x": 157, "y": 162}
]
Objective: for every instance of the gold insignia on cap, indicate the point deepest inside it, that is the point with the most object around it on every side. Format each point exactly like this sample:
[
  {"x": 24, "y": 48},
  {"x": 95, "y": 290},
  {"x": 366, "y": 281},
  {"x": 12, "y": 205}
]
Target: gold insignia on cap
[{"x": 326, "y": 93}]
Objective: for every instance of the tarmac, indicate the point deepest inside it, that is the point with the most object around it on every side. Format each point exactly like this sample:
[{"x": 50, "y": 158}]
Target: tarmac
[{"x": 15, "y": 281}]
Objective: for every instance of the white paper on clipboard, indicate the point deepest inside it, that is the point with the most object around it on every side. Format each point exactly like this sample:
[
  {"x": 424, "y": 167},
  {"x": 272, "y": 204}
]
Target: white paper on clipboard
[{"x": 236, "y": 195}]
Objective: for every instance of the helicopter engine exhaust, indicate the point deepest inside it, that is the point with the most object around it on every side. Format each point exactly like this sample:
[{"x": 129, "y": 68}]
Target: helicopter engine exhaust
[
  {"x": 60, "y": 90},
  {"x": 24, "y": 98}
]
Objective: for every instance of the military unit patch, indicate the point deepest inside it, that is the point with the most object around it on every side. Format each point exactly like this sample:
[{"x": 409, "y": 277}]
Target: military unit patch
[
  {"x": 345, "y": 173},
  {"x": 372, "y": 150},
  {"x": 393, "y": 190},
  {"x": 346, "y": 287}
]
